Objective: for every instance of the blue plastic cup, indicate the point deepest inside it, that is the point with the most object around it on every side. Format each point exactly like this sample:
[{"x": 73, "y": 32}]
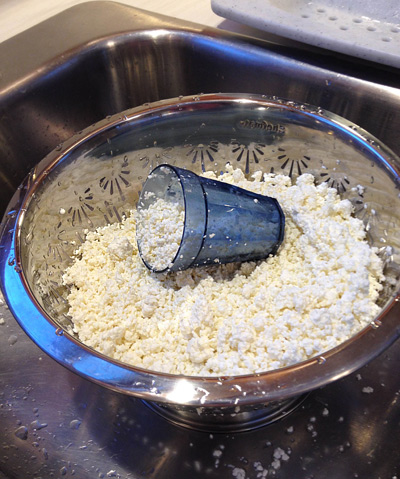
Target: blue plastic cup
[{"x": 222, "y": 223}]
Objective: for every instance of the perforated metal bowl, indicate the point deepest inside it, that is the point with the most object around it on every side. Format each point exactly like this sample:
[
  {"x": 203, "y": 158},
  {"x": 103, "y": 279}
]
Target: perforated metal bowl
[{"x": 95, "y": 177}]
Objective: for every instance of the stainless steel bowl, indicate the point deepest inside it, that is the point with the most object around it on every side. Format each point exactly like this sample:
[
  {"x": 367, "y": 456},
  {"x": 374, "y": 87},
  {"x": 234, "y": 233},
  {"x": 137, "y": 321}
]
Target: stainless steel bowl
[{"x": 98, "y": 174}]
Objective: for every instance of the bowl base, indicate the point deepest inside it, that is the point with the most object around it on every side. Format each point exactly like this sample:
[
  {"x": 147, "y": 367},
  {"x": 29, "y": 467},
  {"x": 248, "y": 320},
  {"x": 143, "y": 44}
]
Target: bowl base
[{"x": 226, "y": 420}]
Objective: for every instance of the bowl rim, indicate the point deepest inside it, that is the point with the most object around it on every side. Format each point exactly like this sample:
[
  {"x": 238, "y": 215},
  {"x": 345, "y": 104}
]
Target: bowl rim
[{"x": 249, "y": 389}]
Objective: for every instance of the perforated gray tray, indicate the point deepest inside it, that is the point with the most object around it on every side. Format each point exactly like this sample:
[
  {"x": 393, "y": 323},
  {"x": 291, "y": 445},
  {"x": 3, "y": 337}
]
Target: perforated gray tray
[{"x": 362, "y": 28}]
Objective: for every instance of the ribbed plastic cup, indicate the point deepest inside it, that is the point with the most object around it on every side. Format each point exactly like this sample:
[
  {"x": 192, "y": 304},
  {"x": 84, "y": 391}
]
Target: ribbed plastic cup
[{"x": 222, "y": 223}]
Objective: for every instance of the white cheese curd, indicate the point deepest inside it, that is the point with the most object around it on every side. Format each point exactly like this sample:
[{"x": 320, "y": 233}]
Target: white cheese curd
[
  {"x": 319, "y": 290},
  {"x": 161, "y": 232}
]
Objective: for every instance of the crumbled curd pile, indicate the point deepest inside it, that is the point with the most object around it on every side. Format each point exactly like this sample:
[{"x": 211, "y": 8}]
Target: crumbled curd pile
[
  {"x": 319, "y": 290},
  {"x": 158, "y": 236}
]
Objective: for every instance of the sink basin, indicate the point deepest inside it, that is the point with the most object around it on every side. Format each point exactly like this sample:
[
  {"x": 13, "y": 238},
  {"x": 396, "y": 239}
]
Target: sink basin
[{"x": 97, "y": 59}]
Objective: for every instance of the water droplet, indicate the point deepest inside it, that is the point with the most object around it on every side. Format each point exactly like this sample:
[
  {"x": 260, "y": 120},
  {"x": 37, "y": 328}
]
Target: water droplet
[
  {"x": 75, "y": 423},
  {"x": 22, "y": 433},
  {"x": 17, "y": 269},
  {"x": 58, "y": 147},
  {"x": 321, "y": 360},
  {"x": 29, "y": 237},
  {"x": 59, "y": 331},
  {"x": 63, "y": 471},
  {"x": 37, "y": 425},
  {"x": 12, "y": 339},
  {"x": 11, "y": 261},
  {"x": 376, "y": 323}
]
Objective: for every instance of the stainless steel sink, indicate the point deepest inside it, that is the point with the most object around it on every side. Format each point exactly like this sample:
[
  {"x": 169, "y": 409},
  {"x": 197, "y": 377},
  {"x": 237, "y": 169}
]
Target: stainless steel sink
[{"x": 100, "y": 58}]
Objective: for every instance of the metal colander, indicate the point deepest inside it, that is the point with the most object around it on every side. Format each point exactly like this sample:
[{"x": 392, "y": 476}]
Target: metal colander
[{"x": 95, "y": 179}]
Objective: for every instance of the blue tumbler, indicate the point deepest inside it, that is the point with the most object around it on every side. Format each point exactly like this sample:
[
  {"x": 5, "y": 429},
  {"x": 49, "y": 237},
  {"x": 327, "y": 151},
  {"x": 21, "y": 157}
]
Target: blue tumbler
[{"x": 222, "y": 223}]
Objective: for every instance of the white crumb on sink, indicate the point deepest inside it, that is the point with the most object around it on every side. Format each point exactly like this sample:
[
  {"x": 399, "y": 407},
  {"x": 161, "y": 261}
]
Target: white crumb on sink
[
  {"x": 367, "y": 390},
  {"x": 238, "y": 473}
]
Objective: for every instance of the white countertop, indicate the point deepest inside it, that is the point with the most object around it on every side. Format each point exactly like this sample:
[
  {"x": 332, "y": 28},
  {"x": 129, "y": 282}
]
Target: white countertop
[{"x": 19, "y": 15}]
